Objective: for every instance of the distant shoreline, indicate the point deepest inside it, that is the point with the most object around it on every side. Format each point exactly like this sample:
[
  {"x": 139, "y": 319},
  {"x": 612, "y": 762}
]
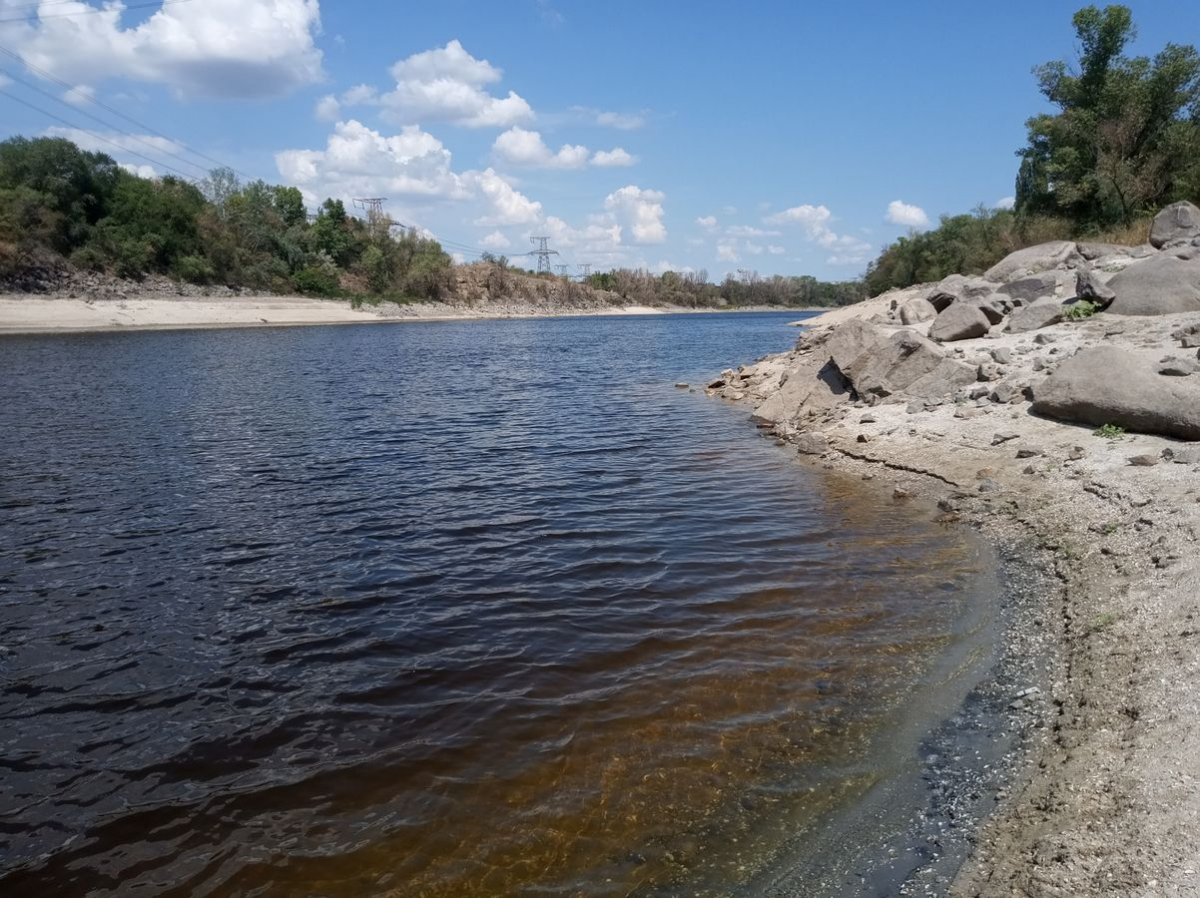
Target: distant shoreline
[{"x": 31, "y": 314}]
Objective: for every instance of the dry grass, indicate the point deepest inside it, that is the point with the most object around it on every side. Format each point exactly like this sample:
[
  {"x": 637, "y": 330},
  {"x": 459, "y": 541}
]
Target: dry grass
[{"x": 1133, "y": 234}]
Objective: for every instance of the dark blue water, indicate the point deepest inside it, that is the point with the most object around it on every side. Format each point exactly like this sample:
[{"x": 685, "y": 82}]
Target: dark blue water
[{"x": 480, "y": 608}]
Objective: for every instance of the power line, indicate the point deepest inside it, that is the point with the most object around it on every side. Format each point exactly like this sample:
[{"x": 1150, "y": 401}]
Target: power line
[
  {"x": 91, "y": 11},
  {"x": 107, "y": 140},
  {"x": 96, "y": 118},
  {"x": 543, "y": 253},
  {"x": 49, "y": 76}
]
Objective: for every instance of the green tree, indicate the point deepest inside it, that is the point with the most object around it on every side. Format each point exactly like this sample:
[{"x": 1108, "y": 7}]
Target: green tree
[{"x": 1126, "y": 137}]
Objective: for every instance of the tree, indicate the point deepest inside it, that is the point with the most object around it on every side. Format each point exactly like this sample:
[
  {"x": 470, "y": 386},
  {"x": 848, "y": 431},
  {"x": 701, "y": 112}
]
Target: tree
[{"x": 1126, "y": 138}]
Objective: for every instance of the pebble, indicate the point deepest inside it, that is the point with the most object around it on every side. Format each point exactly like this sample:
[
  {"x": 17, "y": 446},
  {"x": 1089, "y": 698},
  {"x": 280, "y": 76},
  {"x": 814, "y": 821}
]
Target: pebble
[{"x": 1144, "y": 461}]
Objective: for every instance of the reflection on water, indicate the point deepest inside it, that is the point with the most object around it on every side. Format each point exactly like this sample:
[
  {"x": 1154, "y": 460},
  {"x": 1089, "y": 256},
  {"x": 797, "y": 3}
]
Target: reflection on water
[{"x": 476, "y": 608}]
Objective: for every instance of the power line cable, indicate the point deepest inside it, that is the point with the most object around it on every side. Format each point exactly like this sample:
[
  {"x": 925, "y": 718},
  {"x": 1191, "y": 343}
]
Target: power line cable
[
  {"x": 48, "y": 114},
  {"x": 91, "y": 11},
  {"x": 96, "y": 118},
  {"x": 49, "y": 76}
]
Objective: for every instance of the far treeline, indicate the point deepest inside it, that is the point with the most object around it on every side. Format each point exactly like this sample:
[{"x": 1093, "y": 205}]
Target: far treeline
[
  {"x": 1123, "y": 143},
  {"x": 57, "y": 200}
]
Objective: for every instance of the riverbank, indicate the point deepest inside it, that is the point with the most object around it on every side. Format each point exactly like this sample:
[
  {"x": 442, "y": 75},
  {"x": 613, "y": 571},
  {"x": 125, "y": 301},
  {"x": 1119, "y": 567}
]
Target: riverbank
[
  {"x": 36, "y": 314},
  {"x": 989, "y": 424}
]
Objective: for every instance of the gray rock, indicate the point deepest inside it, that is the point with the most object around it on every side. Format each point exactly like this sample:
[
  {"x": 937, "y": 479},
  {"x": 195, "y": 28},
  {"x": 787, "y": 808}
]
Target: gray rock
[
  {"x": 1188, "y": 456},
  {"x": 1178, "y": 221},
  {"x": 1042, "y": 313},
  {"x": 1031, "y": 288},
  {"x": 1005, "y": 392},
  {"x": 1033, "y": 259},
  {"x": 993, "y": 307},
  {"x": 1163, "y": 285},
  {"x": 1088, "y": 286},
  {"x": 1094, "y": 251},
  {"x": 1004, "y": 437},
  {"x": 1174, "y": 367},
  {"x": 1188, "y": 337},
  {"x": 879, "y": 366},
  {"x": 854, "y": 342},
  {"x": 1144, "y": 461},
  {"x": 1029, "y": 452},
  {"x": 941, "y": 299},
  {"x": 1002, "y": 355},
  {"x": 812, "y": 444},
  {"x": 961, "y": 321},
  {"x": 917, "y": 310},
  {"x": 1106, "y": 385},
  {"x": 814, "y": 382}
]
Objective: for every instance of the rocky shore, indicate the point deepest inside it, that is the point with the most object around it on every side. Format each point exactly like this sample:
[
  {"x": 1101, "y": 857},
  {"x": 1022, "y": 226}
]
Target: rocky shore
[{"x": 1053, "y": 402}]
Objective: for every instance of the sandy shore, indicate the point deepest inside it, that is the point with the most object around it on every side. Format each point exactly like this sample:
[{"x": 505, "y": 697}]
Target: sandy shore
[
  {"x": 33, "y": 314},
  {"x": 1105, "y": 800},
  {"x": 24, "y": 314}
]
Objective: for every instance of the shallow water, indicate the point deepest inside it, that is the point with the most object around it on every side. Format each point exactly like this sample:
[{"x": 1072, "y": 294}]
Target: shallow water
[{"x": 480, "y": 608}]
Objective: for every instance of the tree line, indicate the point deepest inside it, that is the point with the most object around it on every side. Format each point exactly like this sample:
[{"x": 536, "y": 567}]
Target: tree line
[
  {"x": 58, "y": 198},
  {"x": 694, "y": 290},
  {"x": 1123, "y": 141}
]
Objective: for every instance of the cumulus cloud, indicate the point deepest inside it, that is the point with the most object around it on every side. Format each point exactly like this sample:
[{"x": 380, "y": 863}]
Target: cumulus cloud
[
  {"x": 520, "y": 147},
  {"x": 359, "y": 161},
  {"x": 219, "y": 48},
  {"x": 80, "y": 95},
  {"x": 116, "y": 144},
  {"x": 749, "y": 231},
  {"x": 755, "y": 249},
  {"x": 614, "y": 158},
  {"x": 599, "y": 240},
  {"x": 328, "y": 109},
  {"x": 496, "y": 240},
  {"x": 642, "y": 210},
  {"x": 708, "y": 222},
  {"x": 1006, "y": 202},
  {"x": 814, "y": 222},
  {"x": 445, "y": 84},
  {"x": 775, "y": 250},
  {"x": 622, "y": 121},
  {"x": 906, "y": 214},
  {"x": 727, "y": 251}
]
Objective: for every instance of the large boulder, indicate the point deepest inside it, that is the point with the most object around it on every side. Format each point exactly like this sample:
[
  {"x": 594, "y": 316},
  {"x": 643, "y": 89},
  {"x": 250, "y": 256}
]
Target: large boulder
[
  {"x": 1033, "y": 259},
  {"x": 1094, "y": 251},
  {"x": 917, "y": 310},
  {"x": 812, "y": 383},
  {"x": 1178, "y": 221},
  {"x": 1106, "y": 385},
  {"x": 1163, "y": 285},
  {"x": 960, "y": 321},
  {"x": 852, "y": 344},
  {"x": 910, "y": 364},
  {"x": 1031, "y": 288},
  {"x": 1089, "y": 286},
  {"x": 1042, "y": 313}
]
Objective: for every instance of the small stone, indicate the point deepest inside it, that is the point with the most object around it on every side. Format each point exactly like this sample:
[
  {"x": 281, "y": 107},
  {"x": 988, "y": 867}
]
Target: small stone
[
  {"x": 1173, "y": 367},
  {"x": 1044, "y": 339},
  {"x": 1076, "y": 453},
  {"x": 1002, "y": 355},
  {"x": 681, "y": 386},
  {"x": 989, "y": 486},
  {"x": 900, "y": 493},
  {"x": 1030, "y": 469},
  {"x": 867, "y": 419},
  {"x": 1004, "y": 437},
  {"x": 1005, "y": 393},
  {"x": 1029, "y": 452},
  {"x": 863, "y": 438},
  {"x": 1144, "y": 461},
  {"x": 812, "y": 444}
]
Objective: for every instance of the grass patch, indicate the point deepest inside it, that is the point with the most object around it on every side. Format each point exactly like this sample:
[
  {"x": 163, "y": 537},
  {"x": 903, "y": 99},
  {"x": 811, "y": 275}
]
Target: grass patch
[
  {"x": 1102, "y": 622},
  {"x": 1109, "y": 432},
  {"x": 1080, "y": 310}
]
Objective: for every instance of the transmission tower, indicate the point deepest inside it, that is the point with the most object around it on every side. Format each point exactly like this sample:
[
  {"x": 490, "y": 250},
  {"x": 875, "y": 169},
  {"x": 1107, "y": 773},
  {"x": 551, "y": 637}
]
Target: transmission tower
[
  {"x": 543, "y": 253},
  {"x": 562, "y": 270},
  {"x": 585, "y": 270},
  {"x": 373, "y": 206}
]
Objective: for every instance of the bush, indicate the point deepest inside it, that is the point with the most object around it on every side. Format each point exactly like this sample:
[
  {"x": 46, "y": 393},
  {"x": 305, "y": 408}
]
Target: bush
[
  {"x": 317, "y": 280},
  {"x": 194, "y": 270}
]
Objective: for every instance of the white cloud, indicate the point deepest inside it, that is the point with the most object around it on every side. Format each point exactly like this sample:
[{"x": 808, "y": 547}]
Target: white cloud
[
  {"x": 218, "y": 48},
  {"x": 663, "y": 266},
  {"x": 445, "y": 84},
  {"x": 496, "y": 240},
  {"x": 80, "y": 95},
  {"x": 754, "y": 249},
  {"x": 616, "y": 157},
  {"x": 727, "y": 251},
  {"x": 520, "y": 147},
  {"x": 708, "y": 222},
  {"x": 509, "y": 205},
  {"x": 906, "y": 214},
  {"x": 622, "y": 121},
  {"x": 1006, "y": 202},
  {"x": 114, "y": 143},
  {"x": 358, "y": 161},
  {"x": 328, "y": 109},
  {"x": 642, "y": 210},
  {"x": 748, "y": 231},
  {"x": 775, "y": 250},
  {"x": 5, "y": 81},
  {"x": 814, "y": 221},
  {"x": 599, "y": 240}
]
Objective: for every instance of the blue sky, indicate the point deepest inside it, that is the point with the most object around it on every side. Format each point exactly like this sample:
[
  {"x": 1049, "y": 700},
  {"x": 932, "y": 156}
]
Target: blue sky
[{"x": 793, "y": 138}]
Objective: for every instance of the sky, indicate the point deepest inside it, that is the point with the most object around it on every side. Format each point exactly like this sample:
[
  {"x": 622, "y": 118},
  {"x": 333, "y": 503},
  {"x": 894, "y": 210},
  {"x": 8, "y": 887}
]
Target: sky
[{"x": 784, "y": 138}]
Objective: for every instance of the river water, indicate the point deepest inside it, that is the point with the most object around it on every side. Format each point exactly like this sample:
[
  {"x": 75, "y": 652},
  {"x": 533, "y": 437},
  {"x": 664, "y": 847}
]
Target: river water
[{"x": 473, "y": 608}]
